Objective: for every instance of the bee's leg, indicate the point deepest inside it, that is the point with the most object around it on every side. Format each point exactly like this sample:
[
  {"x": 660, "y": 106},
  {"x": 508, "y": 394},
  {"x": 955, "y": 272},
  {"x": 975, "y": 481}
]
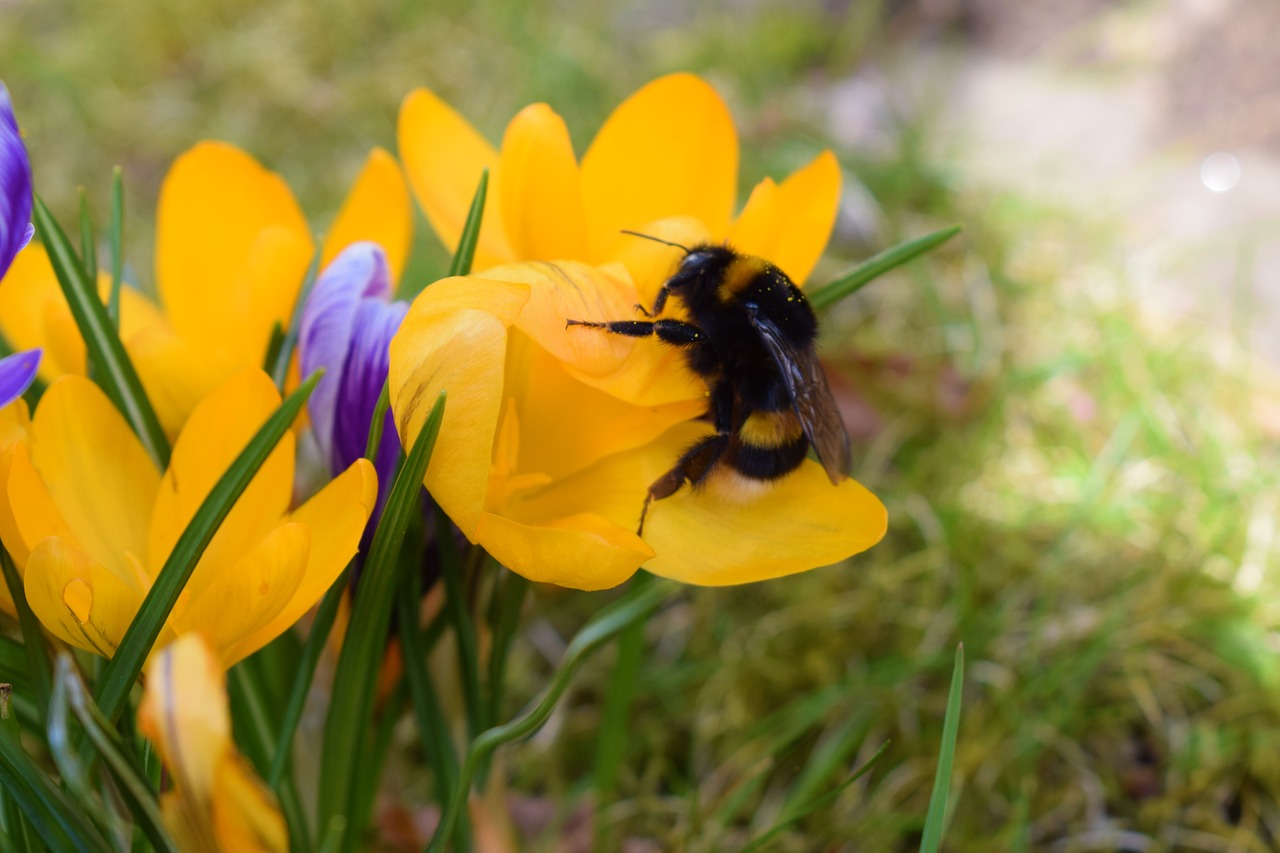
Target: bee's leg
[
  {"x": 674, "y": 332},
  {"x": 642, "y": 311},
  {"x": 693, "y": 466},
  {"x": 697, "y": 462}
]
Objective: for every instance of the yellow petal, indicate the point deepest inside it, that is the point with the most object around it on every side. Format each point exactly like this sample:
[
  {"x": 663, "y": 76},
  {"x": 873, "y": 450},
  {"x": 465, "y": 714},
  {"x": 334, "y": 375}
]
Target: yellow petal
[
  {"x": 27, "y": 512},
  {"x": 232, "y": 248},
  {"x": 455, "y": 337},
  {"x": 582, "y": 551},
  {"x": 376, "y": 209},
  {"x": 77, "y": 599},
  {"x": 34, "y": 313},
  {"x": 184, "y": 713},
  {"x": 541, "y": 194},
  {"x": 668, "y": 150},
  {"x": 244, "y": 598},
  {"x": 754, "y": 232},
  {"x": 334, "y": 520},
  {"x": 15, "y": 423},
  {"x": 443, "y": 156},
  {"x": 214, "y": 436},
  {"x": 176, "y": 374},
  {"x": 216, "y": 803},
  {"x": 542, "y": 390},
  {"x": 96, "y": 471},
  {"x": 720, "y": 536},
  {"x": 790, "y": 224},
  {"x": 245, "y": 815},
  {"x": 30, "y": 299}
]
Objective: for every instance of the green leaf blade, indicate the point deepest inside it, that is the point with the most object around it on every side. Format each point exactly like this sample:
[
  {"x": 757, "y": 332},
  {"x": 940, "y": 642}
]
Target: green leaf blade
[
  {"x": 110, "y": 365},
  {"x": 935, "y": 818},
  {"x": 115, "y": 237},
  {"x": 351, "y": 708},
  {"x": 877, "y": 265},
  {"x": 464, "y": 256}
]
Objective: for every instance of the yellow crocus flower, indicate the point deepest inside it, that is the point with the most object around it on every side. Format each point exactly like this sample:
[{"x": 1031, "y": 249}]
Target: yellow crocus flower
[
  {"x": 232, "y": 249},
  {"x": 90, "y": 520},
  {"x": 668, "y": 152},
  {"x": 215, "y": 803},
  {"x": 551, "y": 439}
]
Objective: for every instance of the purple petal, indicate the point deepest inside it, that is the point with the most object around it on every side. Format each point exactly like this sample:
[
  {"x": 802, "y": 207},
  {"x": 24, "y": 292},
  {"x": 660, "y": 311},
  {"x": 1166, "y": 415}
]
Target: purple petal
[
  {"x": 15, "y": 186},
  {"x": 365, "y": 372},
  {"x": 324, "y": 333},
  {"x": 17, "y": 372}
]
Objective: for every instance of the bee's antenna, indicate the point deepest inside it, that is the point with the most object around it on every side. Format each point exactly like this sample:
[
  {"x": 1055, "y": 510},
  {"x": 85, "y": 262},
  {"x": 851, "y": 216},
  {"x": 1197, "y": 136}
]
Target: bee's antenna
[{"x": 686, "y": 249}]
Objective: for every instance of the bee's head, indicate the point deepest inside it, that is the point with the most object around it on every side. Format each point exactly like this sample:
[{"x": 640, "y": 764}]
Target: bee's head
[
  {"x": 703, "y": 265},
  {"x": 699, "y": 273}
]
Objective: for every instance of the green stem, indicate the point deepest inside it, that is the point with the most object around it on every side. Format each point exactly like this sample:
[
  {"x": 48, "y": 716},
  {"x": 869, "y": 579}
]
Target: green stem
[
  {"x": 637, "y": 604},
  {"x": 260, "y": 744},
  {"x": 611, "y": 741},
  {"x": 321, "y": 627},
  {"x": 432, "y": 724},
  {"x": 456, "y": 606}
]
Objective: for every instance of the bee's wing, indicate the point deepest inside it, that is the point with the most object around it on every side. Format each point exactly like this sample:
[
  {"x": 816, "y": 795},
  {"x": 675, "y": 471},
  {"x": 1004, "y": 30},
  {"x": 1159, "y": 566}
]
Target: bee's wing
[{"x": 810, "y": 395}]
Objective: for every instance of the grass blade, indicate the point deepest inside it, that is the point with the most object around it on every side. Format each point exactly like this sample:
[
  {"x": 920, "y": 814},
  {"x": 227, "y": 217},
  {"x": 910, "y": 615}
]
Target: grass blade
[
  {"x": 17, "y": 830},
  {"x": 877, "y": 265},
  {"x": 611, "y": 739},
  {"x": 73, "y": 772},
  {"x": 465, "y": 254},
  {"x": 637, "y": 604},
  {"x": 504, "y": 619},
  {"x": 370, "y": 763},
  {"x": 351, "y": 709},
  {"x": 305, "y": 672},
  {"x": 115, "y": 236},
  {"x": 455, "y": 605},
  {"x": 432, "y": 725},
  {"x": 88, "y": 240},
  {"x": 110, "y": 365},
  {"x": 58, "y": 821},
  {"x": 807, "y": 809},
  {"x": 248, "y": 694},
  {"x": 32, "y": 633},
  {"x": 377, "y": 422},
  {"x": 122, "y": 670},
  {"x": 131, "y": 781},
  {"x": 935, "y": 819}
]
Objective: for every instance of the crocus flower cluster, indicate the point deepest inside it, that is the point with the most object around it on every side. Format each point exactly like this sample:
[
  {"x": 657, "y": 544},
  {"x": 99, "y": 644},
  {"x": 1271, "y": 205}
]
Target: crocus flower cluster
[{"x": 551, "y": 439}]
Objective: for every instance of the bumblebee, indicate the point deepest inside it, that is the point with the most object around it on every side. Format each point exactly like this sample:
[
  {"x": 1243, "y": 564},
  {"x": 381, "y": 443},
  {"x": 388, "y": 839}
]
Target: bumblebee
[{"x": 750, "y": 335}]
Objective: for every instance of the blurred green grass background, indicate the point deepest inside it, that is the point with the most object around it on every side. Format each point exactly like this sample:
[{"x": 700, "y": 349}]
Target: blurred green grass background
[{"x": 1077, "y": 492}]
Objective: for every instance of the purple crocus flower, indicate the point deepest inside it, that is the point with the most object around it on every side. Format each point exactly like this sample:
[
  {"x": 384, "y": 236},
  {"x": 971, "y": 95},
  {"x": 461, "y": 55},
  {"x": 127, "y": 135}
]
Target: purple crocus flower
[
  {"x": 15, "y": 187},
  {"x": 17, "y": 372},
  {"x": 346, "y": 328}
]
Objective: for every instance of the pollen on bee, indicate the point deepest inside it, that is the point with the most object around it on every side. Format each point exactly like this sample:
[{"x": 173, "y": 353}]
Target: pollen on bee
[{"x": 732, "y": 487}]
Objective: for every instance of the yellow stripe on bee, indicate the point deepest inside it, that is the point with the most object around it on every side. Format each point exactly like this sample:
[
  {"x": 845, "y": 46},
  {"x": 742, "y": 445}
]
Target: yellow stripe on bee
[
  {"x": 742, "y": 270},
  {"x": 771, "y": 429}
]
